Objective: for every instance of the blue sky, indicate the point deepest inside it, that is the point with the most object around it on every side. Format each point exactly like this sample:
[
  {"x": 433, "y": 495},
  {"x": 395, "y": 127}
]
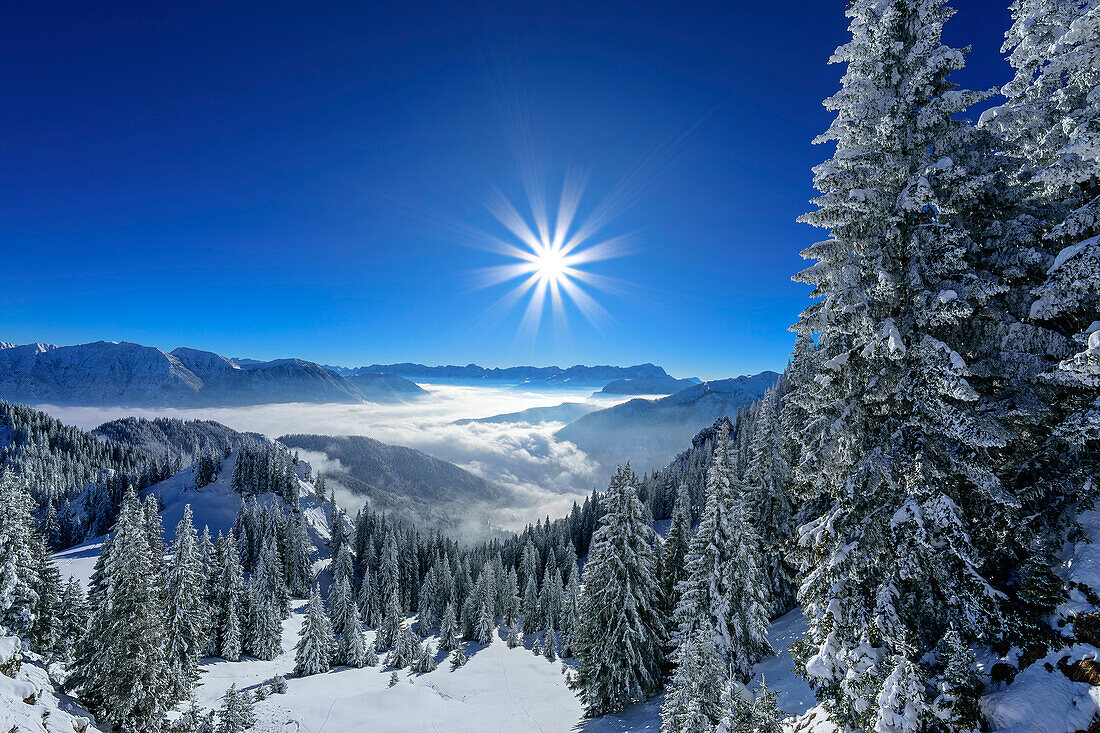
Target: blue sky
[{"x": 291, "y": 179}]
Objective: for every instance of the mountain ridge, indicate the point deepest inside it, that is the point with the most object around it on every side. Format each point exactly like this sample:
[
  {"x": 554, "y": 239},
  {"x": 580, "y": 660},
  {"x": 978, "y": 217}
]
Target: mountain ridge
[
  {"x": 576, "y": 375},
  {"x": 649, "y": 432},
  {"x": 126, "y": 374}
]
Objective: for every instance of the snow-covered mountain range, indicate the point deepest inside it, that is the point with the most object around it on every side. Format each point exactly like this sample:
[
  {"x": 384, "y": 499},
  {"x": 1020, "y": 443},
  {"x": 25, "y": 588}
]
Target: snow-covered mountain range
[
  {"x": 127, "y": 374},
  {"x": 530, "y": 376}
]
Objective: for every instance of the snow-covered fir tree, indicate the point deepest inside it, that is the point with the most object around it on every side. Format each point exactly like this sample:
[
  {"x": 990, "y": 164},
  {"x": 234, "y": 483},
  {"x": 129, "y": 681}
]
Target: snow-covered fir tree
[
  {"x": 693, "y": 698},
  {"x": 510, "y": 593},
  {"x": 228, "y": 590},
  {"x": 723, "y": 592},
  {"x": 448, "y": 629},
  {"x": 485, "y": 631},
  {"x": 405, "y": 650},
  {"x": 351, "y": 647},
  {"x": 1052, "y": 119},
  {"x": 392, "y": 619},
  {"x": 298, "y": 557},
  {"x": 674, "y": 551},
  {"x": 906, "y": 440},
  {"x": 339, "y": 602},
  {"x": 772, "y": 505},
  {"x": 619, "y": 640},
  {"x": 44, "y": 634},
  {"x": 119, "y": 666},
  {"x": 265, "y": 627},
  {"x": 74, "y": 617},
  {"x": 315, "y": 641},
  {"x": 186, "y": 609},
  {"x": 530, "y": 607},
  {"x": 18, "y": 562},
  {"x": 901, "y": 705},
  {"x": 367, "y": 600},
  {"x": 425, "y": 660},
  {"x": 236, "y": 714},
  {"x": 960, "y": 687}
]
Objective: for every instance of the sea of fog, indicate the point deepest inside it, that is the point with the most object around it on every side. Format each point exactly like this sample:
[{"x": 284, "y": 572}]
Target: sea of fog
[{"x": 544, "y": 474}]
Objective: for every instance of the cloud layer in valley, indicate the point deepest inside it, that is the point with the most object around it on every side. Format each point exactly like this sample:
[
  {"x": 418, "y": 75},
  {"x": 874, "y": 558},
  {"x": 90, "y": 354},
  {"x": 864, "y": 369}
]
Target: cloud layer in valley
[{"x": 543, "y": 474}]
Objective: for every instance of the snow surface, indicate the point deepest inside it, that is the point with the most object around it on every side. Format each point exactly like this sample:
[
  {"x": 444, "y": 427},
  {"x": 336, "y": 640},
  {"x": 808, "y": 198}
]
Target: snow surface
[
  {"x": 30, "y": 704},
  {"x": 1042, "y": 698},
  {"x": 499, "y": 689},
  {"x": 794, "y": 696}
]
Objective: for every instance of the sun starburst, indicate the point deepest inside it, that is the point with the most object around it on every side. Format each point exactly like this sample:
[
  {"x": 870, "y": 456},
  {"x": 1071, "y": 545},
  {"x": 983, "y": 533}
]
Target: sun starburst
[{"x": 549, "y": 258}]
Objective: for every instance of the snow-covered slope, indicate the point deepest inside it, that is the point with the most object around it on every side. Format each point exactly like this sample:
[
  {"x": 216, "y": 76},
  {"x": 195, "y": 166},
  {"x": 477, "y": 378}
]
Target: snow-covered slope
[
  {"x": 1057, "y": 690},
  {"x": 214, "y": 506},
  {"x": 29, "y": 701},
  {"x": 499, "y": 689},
  {"x": 649, "y": 432}
]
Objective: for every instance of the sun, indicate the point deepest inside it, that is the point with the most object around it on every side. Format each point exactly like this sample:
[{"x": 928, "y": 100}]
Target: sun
[
  {"x": 550, "y": 258},
  {"x": 550, "y": 265}
]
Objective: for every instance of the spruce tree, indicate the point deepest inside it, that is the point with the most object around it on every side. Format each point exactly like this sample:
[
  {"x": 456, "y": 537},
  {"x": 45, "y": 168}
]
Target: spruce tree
[
  {"x": 693, "y": 699},
  {"x": 771, "y": 503},
  {"x": 315, "y": 641},
  {"x": 351, "y": 648},
  {"x": 392, "y": 620},
  {"x": 510, "y": 594},
  {"x": 298, "y": 557},
  {"x": 530, "y": 607},
  {"x": 1052, "y": 123},
  {"x": 185, "y": 609},
  {"x": 675, "y": 549},
  {"x": 266, "y": 628},
  {"x": 367, "y": 600},
  {"x": 232, "y": 634},
  {"x": 119, "y": 665},
  {"x": 18, "y": 561},
  {"x": 425, "y": 661},
  {"x": 448, "y": 629},
  {"x": 895, "y": 435},
  {"x": 74, "y": 616},
  {"x": 960, "y": 687},
  {"x": 405, "y": 650},
  {"x": 723, "y": 593},
  {"x": 340, "y": 602},
  {"x": 45, "y": 632},
  {"x": 620, "y": 636},
  {"x": 236, "y": 715},
  {"x": 228, "y": 591},
  {"x": 901, "y": 705},
  {"x": 485, "y": 631}
]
